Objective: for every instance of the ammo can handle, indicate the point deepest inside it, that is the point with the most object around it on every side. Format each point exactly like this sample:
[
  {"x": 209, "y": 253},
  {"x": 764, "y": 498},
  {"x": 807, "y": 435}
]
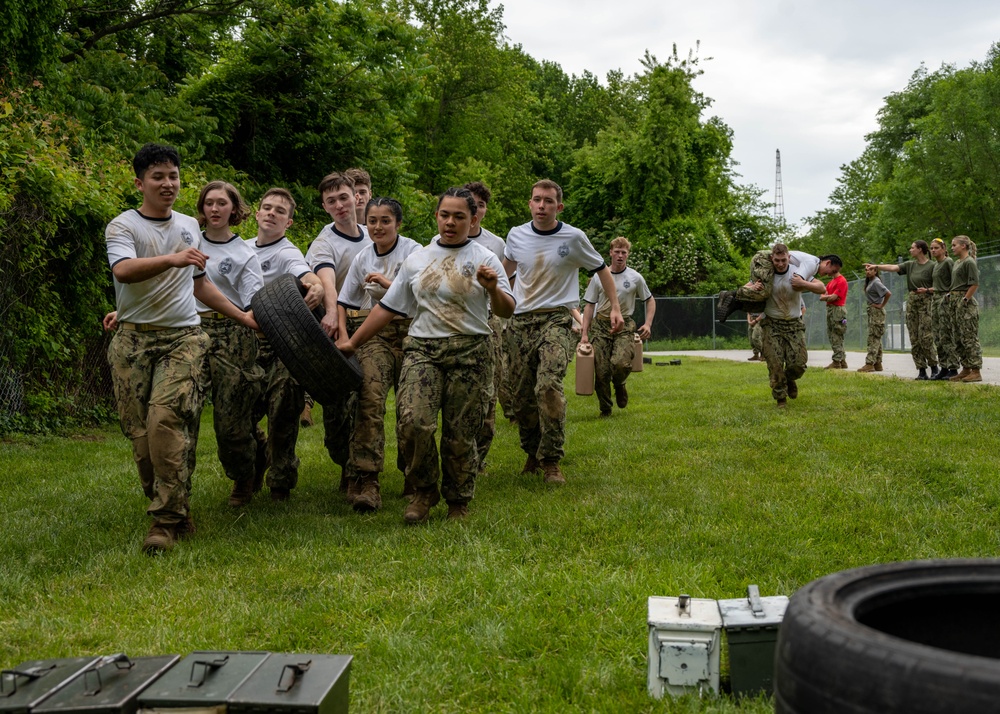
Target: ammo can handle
[
  {"x": 207, "y": 666},
  {"x": 120, "y": 661},
  {"x": 296, "y": 671},
  {"x": 756, "y": 606},
  {"x": 12, "y": 675},
  {"x": 684, "y": 604}
]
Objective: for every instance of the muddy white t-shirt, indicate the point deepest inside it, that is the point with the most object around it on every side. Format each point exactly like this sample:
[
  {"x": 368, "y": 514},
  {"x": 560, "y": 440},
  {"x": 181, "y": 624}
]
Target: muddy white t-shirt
[
  {"x": 630, "y": 286},
  {"x": 785, "y": 302},
  {"x": 334, "y": 249},
  {"x": 548, "y": 264},
  {"x": 167, "y": 299},
  {"x": 279, "y": 258},
  {"x": 359, "y": 295},
  {"x": 437, "y": 285},
  {"x": 234, "y": 269},
  {"x": 492, "y": 241}
]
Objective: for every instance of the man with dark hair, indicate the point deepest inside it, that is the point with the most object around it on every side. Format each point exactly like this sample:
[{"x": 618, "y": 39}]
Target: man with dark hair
[
  {"x": 835, "y": 298},
  {"x": 546, "y": 256},
  {"x": 157, "y": 354},
  {"x": 362, "y": 192}
]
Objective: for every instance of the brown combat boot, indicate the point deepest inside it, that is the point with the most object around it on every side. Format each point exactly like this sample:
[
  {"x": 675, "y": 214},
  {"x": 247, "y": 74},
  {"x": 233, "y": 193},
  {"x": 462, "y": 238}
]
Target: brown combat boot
[
  {"x": 878, "y": 366},
  {"x": 867, "y": 368},
  {"x": 185, "y": 528},
  {"x": 161, "y": 537},
  {"x": 843, "y": 364},
  {"x": 242, "y": 493},
  {"x": 279, "y": 493},
  {"x": 420, "y": 506},
  {"x": 960, "y": 376},
  {"x": 531, "y": 465},
  {"x": 553, "y": 474},
  {"x": 793, "y": 389},
  {"x": 458, "y": 511},
  {"x": 833, "y": 365},
  {"x": 973, "y": 376},
  {"x": 306, "y": 418},
  {"x": 782, "y": 403},
  {"x": 621, "y": 396},
  {"x": 369, "y": 496}
]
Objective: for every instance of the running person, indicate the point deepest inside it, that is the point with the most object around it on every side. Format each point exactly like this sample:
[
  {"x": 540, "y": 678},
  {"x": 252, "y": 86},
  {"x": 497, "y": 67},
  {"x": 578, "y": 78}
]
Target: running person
[
  {"x": 546, "y": 256},
  {"x": 449, "y": 287},
  {"x": 613, "y": 352},
  {"x": 381, "y": 357}
]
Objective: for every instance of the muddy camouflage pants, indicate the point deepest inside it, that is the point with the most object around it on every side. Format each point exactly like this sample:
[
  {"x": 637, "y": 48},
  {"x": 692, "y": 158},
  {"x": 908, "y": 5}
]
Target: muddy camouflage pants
[
  {"x": 876, "y": 328},
  {"x": 281, "y": 400},
  {"x": 920, "y": 326},
  {"x": 944, "y": 331},
  {"x": 381, "y": 360},
  {"x": 612, "y": 357},
  {"x": 836, "y": 327},
  {"x": 338, "y": 418},
  {"x": 785, "y": 352},
  {"x": 452, "y": 376},
  {"x": 762, "y": 269},
  {"x": 966, "y": 321},
  {"x": 486, "y": 434},
  {"x": 159, "y": 380},
  {"x": 236, "y": 381},
  {"x": 542, "y": 344}
]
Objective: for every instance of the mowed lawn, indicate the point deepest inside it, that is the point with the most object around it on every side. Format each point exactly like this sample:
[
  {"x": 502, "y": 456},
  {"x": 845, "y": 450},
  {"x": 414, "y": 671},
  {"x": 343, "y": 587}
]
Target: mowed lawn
[{"x": 538, "y": 601}]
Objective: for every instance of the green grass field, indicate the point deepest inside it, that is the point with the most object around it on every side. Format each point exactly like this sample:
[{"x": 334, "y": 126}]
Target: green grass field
[{"x": 538, "y": 601}]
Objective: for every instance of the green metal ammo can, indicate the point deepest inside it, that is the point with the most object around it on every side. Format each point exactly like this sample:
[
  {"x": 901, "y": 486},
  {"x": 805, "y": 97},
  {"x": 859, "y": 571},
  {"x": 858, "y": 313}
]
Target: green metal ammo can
[
  {"x": 111, "y": 685},
  {"x": 202, "y": 682},
  {"x": 751, "y": 625},
  {"x": 296, "y": 683},
  {"x": 30, "y": 683}
]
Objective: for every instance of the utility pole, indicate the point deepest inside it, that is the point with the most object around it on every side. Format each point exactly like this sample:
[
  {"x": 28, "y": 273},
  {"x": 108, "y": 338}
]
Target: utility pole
[{"x": 779, "y": 196}]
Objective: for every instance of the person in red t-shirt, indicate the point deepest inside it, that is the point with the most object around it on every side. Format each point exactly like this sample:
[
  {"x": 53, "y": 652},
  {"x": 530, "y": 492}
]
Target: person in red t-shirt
[{"x": 835, "y": 298}]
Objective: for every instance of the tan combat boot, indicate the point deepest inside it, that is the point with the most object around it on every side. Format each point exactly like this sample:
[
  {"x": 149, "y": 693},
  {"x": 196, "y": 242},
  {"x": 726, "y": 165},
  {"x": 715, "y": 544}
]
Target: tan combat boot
[
  {"x": 420, "y": 506},
  {"x": 973, "y": 376},
  {"x": 867, "y": 368},
  {"x": 960, "y": 376},
  {"x": 553, "y": 474},
  {"x": 161, "y": 537},
  {"x": 531, "y": 465},
  {"x": 368, "y": 497}
]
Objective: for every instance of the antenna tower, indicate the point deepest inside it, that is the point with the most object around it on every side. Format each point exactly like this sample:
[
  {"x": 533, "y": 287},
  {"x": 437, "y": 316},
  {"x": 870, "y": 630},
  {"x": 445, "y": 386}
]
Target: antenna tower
[{"x": 779, "y": 196}]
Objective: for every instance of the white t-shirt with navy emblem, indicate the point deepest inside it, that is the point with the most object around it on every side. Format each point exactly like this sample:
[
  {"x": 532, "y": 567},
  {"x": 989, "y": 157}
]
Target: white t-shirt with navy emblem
[
  {"x": 234, "y": 269},
  {"x": 279, "y": 258},
  {"x": 630, "y": 286},
  {"x": 167, "y": 299},
  {"x": 548, "y": 264},
  {"x": 437, "y": 285},
  {"x": 334, "y": 249},
  {"x": 359, "y": 295},
  {"x": 785, "y": 302}
]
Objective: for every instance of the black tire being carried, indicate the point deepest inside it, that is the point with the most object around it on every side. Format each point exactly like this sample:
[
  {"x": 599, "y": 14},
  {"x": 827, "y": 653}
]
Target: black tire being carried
[
  {"x": 300, "y": 343},
  {"x": 916, "y": 637}
]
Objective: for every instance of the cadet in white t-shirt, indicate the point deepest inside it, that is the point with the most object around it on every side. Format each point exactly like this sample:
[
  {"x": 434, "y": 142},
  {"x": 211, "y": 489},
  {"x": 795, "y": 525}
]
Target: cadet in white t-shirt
[
  {"x": 381, "y": 358},
  {"x": 543, "y": 259},
  {"x": 613, "y": 352},
  {"x": 494, "y": 243},
  {"x": 281, "y": 398},
  {"x": 449, "y": 287},
  {"x": 232, "y": 354},
  {"x": 330, "y": 257},
  {"x": 157, "y": 354}
]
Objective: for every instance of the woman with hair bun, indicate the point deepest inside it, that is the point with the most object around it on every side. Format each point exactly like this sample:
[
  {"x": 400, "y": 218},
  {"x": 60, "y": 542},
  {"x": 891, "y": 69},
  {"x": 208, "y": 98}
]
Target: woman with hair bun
[{"x": 965, "y": 309}]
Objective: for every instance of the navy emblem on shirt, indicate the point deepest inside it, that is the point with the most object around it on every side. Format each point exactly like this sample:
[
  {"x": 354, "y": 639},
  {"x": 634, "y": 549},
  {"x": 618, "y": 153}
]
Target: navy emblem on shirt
[
  {"x": 187, "y": 237},
  {"x": 627, "y": 284},
  {"x": 265, "y": 266},
  {"x": 468, "y": 269},
  {"x": 226, "y": 266},
  {"x": 564, "y": 250}
]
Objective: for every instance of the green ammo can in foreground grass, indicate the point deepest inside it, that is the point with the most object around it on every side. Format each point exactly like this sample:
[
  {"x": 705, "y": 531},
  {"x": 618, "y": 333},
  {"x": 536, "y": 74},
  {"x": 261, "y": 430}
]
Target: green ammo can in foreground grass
[
  {"x": 30, "y": 683},
  {"x": 110, "y": 685},
  {"x": 751, "y": 626}
]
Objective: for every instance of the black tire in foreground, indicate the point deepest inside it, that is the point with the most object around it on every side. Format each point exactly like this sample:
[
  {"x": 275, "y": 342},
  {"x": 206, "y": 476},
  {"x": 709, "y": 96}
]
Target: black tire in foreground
[
  {"x": 300, "y": 343},
  {"x": 915, "y": 637}
]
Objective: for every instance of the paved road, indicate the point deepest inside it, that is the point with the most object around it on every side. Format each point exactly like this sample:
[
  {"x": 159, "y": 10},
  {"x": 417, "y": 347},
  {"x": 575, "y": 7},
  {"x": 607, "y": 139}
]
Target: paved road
[{"x": 899, "y": 365}]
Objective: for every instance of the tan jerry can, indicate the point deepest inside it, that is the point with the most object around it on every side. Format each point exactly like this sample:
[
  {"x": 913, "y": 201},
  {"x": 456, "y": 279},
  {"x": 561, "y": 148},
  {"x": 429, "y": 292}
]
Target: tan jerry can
[
  {"x": 585, "y": 369},
  {"x": 636, "y": 353}
]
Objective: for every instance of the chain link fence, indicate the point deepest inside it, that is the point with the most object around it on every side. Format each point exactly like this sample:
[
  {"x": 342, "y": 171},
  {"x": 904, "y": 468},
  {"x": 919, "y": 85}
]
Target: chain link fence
[{"x": 689, "y": 322}]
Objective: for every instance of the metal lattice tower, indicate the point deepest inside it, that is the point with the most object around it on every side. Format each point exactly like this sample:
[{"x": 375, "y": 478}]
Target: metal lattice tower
[{"x": 779, "y": 195}]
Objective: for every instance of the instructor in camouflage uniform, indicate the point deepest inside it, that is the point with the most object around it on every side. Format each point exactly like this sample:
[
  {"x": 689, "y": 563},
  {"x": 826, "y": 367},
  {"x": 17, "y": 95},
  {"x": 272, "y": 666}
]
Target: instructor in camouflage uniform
[
  {"x": 157, "y": 354},
  {"x": 544, "y": 258},
  {"x": 965, "y": 310},
  {"x": 449, "y": 287},
  {"x": 919, "y": 274},
  {"x": 941, "y": 312}
]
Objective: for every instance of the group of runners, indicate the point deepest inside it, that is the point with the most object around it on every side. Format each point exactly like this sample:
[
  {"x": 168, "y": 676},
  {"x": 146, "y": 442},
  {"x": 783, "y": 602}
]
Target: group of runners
[
  {"x": 450, "y": 326},
  {"x": 942, "y": 315}
]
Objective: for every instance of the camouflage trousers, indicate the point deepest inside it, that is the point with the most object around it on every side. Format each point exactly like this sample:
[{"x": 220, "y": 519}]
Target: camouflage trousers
[
  {"x": 159, "y": 382},
  {"x": 542, "y": 344},
  {"x": 944, "y": 331},
  {"x": 381, "y": 360},
  {"x": 452, "y": 376},
  {"x": 876, "y": 328},
  {"x": 756, "y": 339},
  {"x": 338, "y": 417},
  {"x": 966, "y": 321},
  {"x": 235, "y": 382},
  {"x": 612, "y": 357},
  {"x": 836, "y": 327},
  {"x": 485, "y": 439},
  {"x": 761, "y": 269},
  {"x": 506, "y": 392},
  {"x": 281, "y": 400},
  {"x": 920, "y": 326},
  {"x": 785, "y": 353}
]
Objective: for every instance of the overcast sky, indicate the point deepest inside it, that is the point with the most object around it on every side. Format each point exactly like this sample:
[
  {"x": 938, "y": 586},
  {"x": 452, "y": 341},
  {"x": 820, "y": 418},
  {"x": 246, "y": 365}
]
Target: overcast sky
[{"x": 803, "y": 76}]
